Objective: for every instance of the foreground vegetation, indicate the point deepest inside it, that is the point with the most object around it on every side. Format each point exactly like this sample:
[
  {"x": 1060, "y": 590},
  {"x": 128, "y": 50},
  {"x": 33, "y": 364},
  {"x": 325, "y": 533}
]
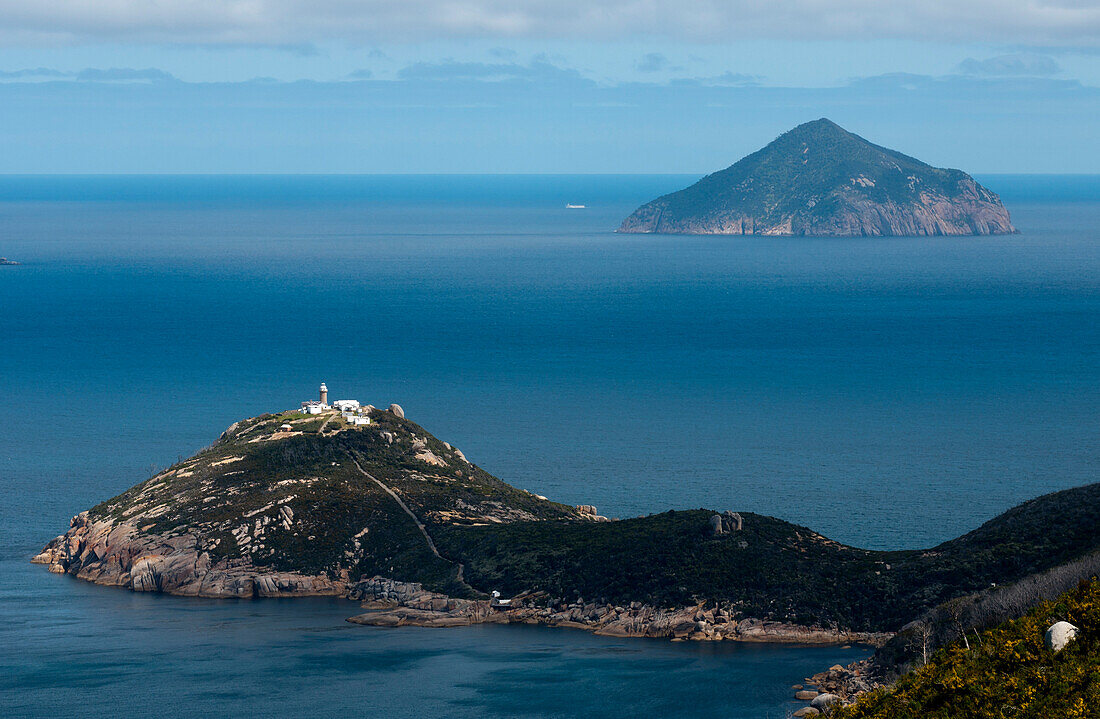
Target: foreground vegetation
[{"x": 1006, "y": 671}]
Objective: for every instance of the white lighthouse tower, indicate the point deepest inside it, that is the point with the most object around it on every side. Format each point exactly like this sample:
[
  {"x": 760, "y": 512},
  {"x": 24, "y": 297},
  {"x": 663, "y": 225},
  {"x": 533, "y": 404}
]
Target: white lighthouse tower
[{"x": 324, "y": 396}]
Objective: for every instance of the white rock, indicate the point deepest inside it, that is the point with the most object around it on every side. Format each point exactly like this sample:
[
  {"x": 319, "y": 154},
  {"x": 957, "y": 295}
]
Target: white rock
[
  {"x": 824, "y": 701},
  {"x": 1059, "y": 635},
  {"x": 396, "y": 410}
]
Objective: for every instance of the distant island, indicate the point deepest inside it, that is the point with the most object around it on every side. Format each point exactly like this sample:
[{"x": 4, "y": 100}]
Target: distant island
[
  {"x": 6, "y": 261},
  {"x": 345, "y": 499},
  {"x": 821, "y": 180}
]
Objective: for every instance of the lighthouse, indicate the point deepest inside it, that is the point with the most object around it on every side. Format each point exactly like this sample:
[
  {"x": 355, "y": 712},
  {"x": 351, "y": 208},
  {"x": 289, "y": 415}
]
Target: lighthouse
[{"x": 324, "y": 395}]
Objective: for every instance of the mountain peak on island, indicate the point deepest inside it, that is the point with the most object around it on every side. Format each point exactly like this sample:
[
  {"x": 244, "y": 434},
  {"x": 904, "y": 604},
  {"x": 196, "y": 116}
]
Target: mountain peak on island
[
  {"x": 819, "y": 126},
  {"x": 820, "y": 179}
]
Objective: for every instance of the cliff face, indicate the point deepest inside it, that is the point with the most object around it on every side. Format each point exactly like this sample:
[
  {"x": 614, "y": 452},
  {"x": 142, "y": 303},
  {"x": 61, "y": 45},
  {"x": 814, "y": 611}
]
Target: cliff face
[
  {"x": 120, "y": 554},
  {"x": 820, "y": 180}
]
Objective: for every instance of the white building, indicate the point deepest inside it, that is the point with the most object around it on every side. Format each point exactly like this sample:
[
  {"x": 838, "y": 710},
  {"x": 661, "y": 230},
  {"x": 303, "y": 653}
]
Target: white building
[
  {"x": 349, "y": 409},
  {"x": 313, "y": 407}
]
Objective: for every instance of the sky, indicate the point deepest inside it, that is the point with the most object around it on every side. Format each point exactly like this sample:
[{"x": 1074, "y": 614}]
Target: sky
[{"x": 529, "y": 86}]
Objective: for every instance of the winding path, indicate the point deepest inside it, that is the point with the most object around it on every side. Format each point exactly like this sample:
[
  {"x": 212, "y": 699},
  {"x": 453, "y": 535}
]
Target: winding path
[{"x": 419, "y": 524}]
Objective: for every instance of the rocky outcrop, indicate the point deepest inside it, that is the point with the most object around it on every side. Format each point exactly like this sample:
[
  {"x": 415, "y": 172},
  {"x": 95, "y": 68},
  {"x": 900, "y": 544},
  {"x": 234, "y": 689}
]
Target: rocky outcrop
[
  {"x": 120, "y": 554},
  {"x": 406, "y": 604},
  {"x": 726, "y": 523},
  {"x": 1059, "y": 635},
  {"x": 394, "y": 604},
  {"x": 590, "y": 513},
  {"x": 395, "y": 410},
  {"x": 840, "y": 685},
  {"x": 820, "y": 180}
]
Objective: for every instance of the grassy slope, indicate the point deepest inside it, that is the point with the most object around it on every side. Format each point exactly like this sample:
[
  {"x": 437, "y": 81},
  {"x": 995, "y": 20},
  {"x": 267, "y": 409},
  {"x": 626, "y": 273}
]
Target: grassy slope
[{"x": 1010, "y": 673}]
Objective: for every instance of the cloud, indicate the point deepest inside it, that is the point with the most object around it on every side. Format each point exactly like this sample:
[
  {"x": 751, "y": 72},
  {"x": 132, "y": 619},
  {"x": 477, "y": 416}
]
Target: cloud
[
  {"x": 449, "y": 70},
  {"x": 34, "y": 73},
  {"x": 962, "y": 85},
  {"x": 1030, "y": 23},
  {"x": 991, "y": 124},
  {"x": 502, "y": 53},
  {"x": 91, "y": 74},
  {"x": 123, "y": 74},
  {"x": 1021, "y": 63},
  {"x": 653, "y": 62},
  {"x": 726, "y": 79},
  {"x": 361, "y": 74},
  {"x": 301, "y": 49}
]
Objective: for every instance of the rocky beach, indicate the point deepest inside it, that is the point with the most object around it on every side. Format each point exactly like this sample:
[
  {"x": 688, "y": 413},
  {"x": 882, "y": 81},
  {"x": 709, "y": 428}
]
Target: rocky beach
[{"x": 394, "y": 604}]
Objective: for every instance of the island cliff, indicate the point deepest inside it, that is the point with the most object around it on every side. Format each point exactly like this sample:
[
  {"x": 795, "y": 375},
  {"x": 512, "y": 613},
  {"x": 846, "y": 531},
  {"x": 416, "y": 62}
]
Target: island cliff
[
  {"x": 293, "y": 505},
  {"x": 819, "y": 179}
]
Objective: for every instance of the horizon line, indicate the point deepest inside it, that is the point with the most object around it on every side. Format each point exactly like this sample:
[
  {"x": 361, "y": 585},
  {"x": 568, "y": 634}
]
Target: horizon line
[{"x": 4, "y": 175}]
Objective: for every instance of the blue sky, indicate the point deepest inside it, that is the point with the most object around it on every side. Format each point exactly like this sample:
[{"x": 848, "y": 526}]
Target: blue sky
[{"x": 533, "y": 86}]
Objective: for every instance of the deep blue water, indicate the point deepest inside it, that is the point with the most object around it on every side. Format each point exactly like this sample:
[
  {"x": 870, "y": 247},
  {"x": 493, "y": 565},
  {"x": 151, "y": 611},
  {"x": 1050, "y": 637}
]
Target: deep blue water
[{"x": 886, "y": 392}]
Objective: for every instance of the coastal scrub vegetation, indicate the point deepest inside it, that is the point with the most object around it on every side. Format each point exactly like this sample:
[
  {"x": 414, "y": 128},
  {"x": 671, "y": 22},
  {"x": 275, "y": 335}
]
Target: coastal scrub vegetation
[
  {"x": 1005, "y": 671},
  {"x": 774, "y": 569},
  {"x": 960, "y": 619}
]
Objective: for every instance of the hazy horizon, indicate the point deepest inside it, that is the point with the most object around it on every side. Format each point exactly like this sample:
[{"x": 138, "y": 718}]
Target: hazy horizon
[
  {"x": 529, "y": 125},
  {"x": 480, "y": 86}
]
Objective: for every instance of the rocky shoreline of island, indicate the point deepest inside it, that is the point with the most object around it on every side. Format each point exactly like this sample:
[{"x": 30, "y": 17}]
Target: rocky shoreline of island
[
  {"x": 391, "y": 603},
  {"x": 122, "y": 555}
]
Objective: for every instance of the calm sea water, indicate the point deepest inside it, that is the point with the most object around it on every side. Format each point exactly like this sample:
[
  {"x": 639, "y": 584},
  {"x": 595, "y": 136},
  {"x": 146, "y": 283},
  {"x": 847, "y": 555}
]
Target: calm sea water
[{"x": 887, "y": 392}]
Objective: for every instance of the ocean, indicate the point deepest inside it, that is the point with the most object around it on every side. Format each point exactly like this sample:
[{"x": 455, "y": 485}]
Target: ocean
[{"x": 886, "y": 392}]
